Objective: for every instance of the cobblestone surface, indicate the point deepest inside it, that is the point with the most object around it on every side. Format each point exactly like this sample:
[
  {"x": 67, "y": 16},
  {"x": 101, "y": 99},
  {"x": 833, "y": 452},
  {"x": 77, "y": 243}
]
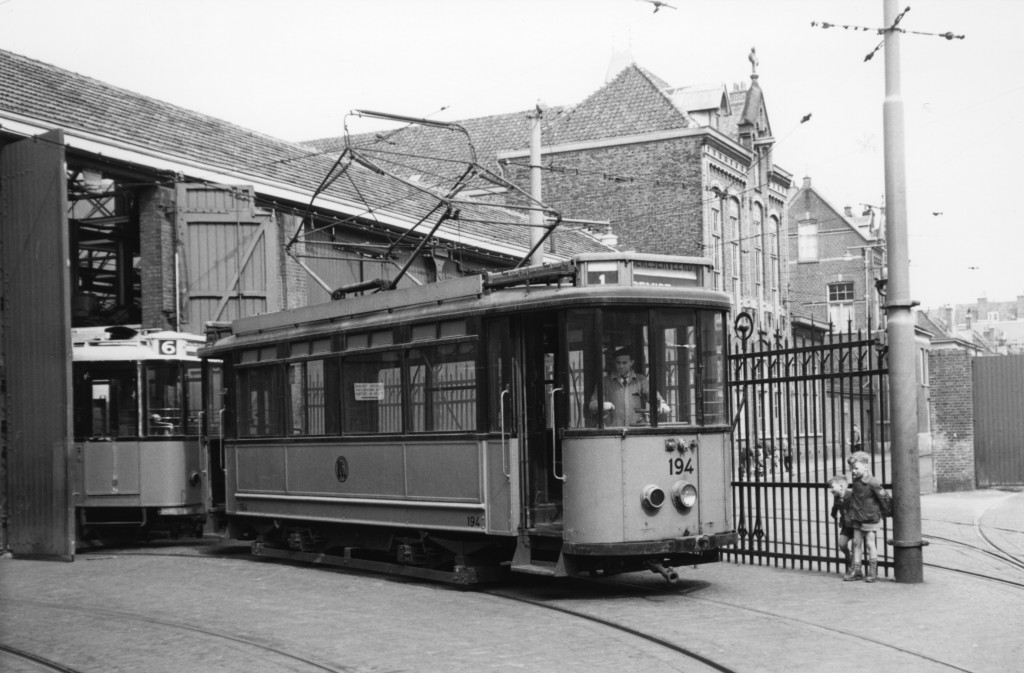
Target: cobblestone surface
[{"x": 220, "y": 610}]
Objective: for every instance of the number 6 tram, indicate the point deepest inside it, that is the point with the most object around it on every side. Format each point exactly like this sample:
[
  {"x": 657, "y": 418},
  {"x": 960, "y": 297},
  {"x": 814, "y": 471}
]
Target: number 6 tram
[{"x": 559, "y": 419}]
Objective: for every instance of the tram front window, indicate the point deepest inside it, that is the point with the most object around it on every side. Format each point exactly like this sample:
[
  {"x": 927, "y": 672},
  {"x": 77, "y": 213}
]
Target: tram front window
[
  {"x": 637, "y": 367},
  {"x": 164, "y": 404},
  {"x": 105, "y": 401},
  {"x": 609, "y": 369},
  {"x": 676, "y": 336}
]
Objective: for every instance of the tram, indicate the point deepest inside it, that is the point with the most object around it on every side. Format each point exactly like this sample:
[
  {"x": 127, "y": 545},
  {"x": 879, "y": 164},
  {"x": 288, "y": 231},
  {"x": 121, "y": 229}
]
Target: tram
[
  {"x": 137, "y": 463},
  {"x": 560, "y": 419}
]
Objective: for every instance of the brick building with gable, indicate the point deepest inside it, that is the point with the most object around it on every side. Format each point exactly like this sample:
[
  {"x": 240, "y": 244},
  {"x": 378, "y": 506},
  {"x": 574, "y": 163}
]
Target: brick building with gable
[
  {"x": 676, "y": 170},
  {"x": 836, "y": 260}
]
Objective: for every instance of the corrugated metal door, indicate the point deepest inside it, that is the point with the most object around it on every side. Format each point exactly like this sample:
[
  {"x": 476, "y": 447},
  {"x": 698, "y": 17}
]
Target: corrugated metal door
[
  {"x": 37, "y": 346},
  {"x": 228, "y": 255},
  {"x": 999, "y": 421}
]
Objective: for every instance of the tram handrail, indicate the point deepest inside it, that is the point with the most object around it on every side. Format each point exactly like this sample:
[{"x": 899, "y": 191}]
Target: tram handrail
[
  {"x": 220, "y": 428},
  {"x": 554, "y": 437},
  {"x": 506, "y": 468}
]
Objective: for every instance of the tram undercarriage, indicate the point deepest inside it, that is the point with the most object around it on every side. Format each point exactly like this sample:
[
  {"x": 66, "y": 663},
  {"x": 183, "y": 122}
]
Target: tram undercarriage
[
  {"x": 99, "y": 524},
  {"x": 467, "y": 560}
]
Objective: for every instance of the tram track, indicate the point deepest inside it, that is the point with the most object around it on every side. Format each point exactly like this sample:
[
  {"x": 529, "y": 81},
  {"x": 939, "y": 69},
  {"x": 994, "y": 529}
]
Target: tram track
[
  {"x": 258, "y": 651},
  {"x": 37, "y": 662},
  {"x": 508, "y": 594},
  {"x": 995, "y": 553},
  {"x": 561, "y": 596},
  {"x": 812, "y": 625},
  {"x": 622, "y": 628},
  {"x": 988, "y": 547}
]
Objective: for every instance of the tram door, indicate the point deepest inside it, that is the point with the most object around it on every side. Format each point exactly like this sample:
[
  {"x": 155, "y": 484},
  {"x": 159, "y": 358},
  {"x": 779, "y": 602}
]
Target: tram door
[
  {"x": 543, "y": 398},
  {"x": 212, "y": 441}
]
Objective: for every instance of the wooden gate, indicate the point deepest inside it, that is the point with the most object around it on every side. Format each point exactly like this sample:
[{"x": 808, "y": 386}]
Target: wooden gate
[
  {"x": 35, "y": 364},
  {"x": 799, "y": 411},
  {"x": 998, "y": 421},
  {"x": 227, "y": 261}
]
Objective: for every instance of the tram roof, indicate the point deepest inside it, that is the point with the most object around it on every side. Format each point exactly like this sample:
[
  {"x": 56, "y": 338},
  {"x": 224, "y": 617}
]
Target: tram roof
[
  {"x": 129, "y": 343},
  {"x": 513, "y": 291}
]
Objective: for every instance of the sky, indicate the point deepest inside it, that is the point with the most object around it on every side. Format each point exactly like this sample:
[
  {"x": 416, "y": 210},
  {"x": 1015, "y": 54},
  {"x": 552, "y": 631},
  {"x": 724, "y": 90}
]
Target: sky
[{"x": 295, "y": 70}]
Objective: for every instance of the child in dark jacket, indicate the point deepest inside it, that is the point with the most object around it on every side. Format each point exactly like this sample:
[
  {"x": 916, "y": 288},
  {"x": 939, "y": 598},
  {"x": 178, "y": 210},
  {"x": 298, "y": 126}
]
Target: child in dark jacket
[
  {"x": 864, "y": 515},
  {"x": 841, "y": 495}
]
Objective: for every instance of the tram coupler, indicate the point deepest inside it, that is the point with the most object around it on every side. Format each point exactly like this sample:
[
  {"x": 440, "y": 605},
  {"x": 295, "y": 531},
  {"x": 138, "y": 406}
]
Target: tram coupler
[{"x": 668, "y": 573}]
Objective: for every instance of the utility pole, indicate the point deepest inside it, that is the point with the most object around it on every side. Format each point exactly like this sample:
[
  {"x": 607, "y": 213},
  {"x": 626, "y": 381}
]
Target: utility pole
[
  {"x": 536, "y": 216},
  {"x": 907, "y": 542}
]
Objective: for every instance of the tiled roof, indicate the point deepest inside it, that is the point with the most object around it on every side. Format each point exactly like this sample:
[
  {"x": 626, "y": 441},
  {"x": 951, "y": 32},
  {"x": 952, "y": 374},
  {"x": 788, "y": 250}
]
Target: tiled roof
[
  {"x": 634, "y": 102},
  {"x": 43, "y": 95},
  {"x": 932, "y": 324}
]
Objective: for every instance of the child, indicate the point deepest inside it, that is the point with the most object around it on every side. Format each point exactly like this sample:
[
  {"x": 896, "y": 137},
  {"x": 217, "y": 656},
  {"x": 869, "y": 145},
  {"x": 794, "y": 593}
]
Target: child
[
  {"x": 840, "y": 502},
  {"x": 864, "y": 515}
]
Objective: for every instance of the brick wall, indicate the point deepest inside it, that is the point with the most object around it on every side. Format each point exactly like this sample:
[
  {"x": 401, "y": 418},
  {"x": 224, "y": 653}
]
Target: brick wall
[
  {"x": 650, "y": 192},
  {"x": 840, "y": 260},
  {"x": 952, "y": 420},
  {"x": 294, "y": 277},
  {"x": 156, "y": 223}
]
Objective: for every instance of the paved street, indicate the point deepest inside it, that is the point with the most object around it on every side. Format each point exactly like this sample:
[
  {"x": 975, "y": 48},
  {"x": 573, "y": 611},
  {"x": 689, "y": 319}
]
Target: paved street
[{"x": 210, "y": 607}]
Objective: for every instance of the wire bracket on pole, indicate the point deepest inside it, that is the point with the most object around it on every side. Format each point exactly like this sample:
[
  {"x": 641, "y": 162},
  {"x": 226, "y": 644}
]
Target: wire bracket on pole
[
  {"x": 948, "y": 35},
  {"x": 905, "y": 544}
]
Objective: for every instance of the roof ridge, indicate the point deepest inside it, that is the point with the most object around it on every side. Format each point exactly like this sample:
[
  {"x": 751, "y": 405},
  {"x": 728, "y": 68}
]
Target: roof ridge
[
  {"x": 662, "y": 86},
  {"x": 113, "y": 88}
]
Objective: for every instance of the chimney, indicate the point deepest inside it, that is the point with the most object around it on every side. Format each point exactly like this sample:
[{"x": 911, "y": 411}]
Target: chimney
[
  {"x": 968, "y": 319},
  {"x": 807, "y": 183},
  {"x": 848, "y": 211}
]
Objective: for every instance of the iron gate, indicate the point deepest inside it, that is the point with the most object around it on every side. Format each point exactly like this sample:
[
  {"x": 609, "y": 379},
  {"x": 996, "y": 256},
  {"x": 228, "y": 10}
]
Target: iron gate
[{"x": 799, "y": 411}]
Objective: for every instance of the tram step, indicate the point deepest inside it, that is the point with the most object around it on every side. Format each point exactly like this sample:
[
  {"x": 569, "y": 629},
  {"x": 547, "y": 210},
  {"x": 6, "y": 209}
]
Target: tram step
[{"x": 536, "y": 568}]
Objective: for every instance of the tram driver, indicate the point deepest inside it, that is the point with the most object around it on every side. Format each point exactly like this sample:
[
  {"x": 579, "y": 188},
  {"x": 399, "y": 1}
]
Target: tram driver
[{"x": 626, "y": 394}]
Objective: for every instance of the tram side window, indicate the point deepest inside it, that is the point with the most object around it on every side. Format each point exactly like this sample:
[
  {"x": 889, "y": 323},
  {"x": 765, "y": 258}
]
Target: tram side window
[
  {"x": 712, "y": 325},
  {"x": 105, "y": 403},
  {"x": 193, "y": 398},
  {"x": 442, "y": 388},
  {"x": 260, "y": 401},
  {"x": 584, "y": 368},
  {"x": 372, "y": 393},
  {"x": 306, "y": 384},
  {"x": 164, "y": 403},
  {"x": 676, "y": 337},
  {"x": 498, "y": 361}
]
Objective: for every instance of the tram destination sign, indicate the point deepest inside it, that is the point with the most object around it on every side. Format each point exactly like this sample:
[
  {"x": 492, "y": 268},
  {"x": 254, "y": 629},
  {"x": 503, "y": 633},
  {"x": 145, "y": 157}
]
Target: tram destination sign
[{"x": 665, "y": 274}]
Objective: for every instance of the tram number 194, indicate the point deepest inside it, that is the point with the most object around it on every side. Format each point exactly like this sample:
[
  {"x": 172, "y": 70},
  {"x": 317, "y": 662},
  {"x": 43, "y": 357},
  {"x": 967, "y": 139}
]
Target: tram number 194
[
  {"x": 680, "y": 465},
  {"x": 475, "y": 521}
]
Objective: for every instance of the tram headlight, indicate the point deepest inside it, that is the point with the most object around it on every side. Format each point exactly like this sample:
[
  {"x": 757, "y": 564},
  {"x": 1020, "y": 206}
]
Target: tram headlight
[
  {"x": 684, "y": 494},
  {"x": 653, "y": 497}
]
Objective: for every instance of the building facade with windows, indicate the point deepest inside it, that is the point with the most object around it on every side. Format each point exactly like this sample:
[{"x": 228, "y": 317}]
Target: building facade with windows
[{"x": 836, "y": 262}]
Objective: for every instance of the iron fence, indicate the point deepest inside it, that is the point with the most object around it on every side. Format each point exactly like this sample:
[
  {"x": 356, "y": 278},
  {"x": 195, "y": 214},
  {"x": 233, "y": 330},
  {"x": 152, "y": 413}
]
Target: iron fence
[{"x": 798, "y": 412}]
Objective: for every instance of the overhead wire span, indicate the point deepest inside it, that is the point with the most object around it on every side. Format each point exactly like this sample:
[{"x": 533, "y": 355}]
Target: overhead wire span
[{"x": 423, "y": 199}]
